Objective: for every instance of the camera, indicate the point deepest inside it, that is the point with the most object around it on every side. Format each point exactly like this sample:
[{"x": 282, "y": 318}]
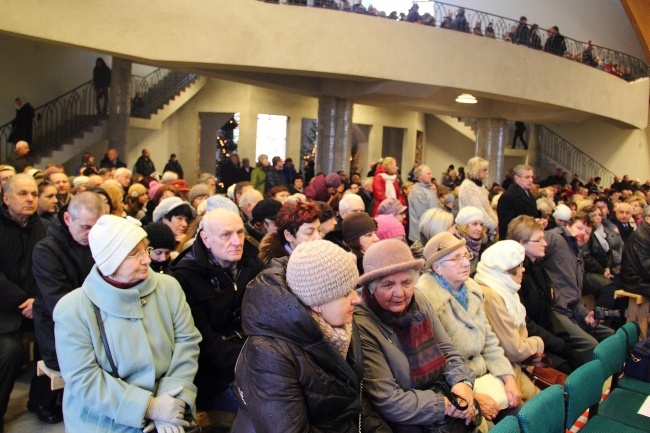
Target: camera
[{"x": 601, "y": 313}]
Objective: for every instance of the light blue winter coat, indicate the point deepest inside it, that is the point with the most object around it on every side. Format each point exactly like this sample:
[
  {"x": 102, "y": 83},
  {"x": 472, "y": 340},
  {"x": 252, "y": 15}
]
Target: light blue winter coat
[{"x": 153, "y": 341}]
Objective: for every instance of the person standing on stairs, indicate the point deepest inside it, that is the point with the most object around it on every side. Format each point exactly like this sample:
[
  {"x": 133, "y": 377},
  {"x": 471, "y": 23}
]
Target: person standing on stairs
[
  {"x": 520, "y": 129},
  {"x": 102, "y": 82}
]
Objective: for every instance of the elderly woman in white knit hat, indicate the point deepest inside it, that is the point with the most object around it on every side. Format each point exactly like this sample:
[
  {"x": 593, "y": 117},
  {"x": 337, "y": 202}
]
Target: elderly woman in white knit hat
[
  {"x": 176, "y": 213},
  {"x": 500, "y": 273},
  {"x": 415, "y": 377},
  {"x": 470, "y": 226},
  {"x": 126, "y": 340},
  {"x": 458, "y": 301},
  {"x": 301, "y": 368}
]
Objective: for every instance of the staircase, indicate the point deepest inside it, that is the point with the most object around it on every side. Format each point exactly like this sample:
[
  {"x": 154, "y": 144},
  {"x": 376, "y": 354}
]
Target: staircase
[
  {"x": 557, "y": 151},
  {"x": 70, "y": 119}
]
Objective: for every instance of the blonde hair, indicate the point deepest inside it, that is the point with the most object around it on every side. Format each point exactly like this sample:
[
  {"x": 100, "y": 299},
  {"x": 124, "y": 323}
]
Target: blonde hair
[
  {"x": 474, "y": 165},
  {"x": 388, "y": 161}
]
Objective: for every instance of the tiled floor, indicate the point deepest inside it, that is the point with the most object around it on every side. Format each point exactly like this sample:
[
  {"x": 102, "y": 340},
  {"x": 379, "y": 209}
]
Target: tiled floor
[{"x": 18, "y": 419}]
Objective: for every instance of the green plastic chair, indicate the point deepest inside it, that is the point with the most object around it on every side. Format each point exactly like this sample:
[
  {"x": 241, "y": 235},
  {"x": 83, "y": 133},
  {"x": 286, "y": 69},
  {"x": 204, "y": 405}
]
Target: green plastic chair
[
  {"x": 508, "y": 424},
  {"x": 544, "y": 413},
  {"x": 583, "y": 389},
  {"x": 631, "y": 333},
  {"x": 612, "y": 353}
]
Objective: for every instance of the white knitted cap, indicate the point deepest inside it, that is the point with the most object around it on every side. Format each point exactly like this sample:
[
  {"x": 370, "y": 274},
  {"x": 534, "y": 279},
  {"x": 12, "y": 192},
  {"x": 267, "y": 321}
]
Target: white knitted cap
[
  {"x": 562, "y": 212},
  {"x": 111, "y": 240},
  {"x": 503, "y": 255},
  {"x": 468, "y": 214},
  {"x": 319, "y": 272},
  {"x": 165, "y": 206},
  {"x": 80, "y": 180}
]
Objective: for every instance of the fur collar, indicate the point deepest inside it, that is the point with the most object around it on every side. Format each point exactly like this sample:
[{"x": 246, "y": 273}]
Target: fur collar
[{"x": 271, "y": 248}]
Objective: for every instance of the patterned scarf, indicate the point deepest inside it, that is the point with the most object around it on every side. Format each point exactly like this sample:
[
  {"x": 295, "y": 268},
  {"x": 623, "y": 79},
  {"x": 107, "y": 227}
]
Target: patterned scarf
[
  {"x": 415, "y": 333},
  {"x": 340, "y": 337},
  {"x": 460, "y": 295},
  {"x": 473, "y": 245}
]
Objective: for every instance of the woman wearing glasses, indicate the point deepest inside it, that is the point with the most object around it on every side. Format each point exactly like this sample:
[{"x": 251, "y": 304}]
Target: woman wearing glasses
[
  {"x": 536, "y": 295},
  {"x": 458, "y": 302},
  {"x": 126, "y": 340}
]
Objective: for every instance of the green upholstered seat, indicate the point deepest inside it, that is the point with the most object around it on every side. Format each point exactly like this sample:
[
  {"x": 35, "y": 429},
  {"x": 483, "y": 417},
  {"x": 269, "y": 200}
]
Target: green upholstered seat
[
  {"x": 584, "y": 388},
  {"x": 599, "y": 424},
  {"x": 508, "y": 424},
  {"x": 544, "y": 413},
  {"x": 622, "y": 406},
  {"x": 612, "y": 353}
]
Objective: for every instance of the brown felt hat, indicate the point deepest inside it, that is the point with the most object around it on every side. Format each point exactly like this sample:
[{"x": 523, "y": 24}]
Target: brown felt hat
[
  {"x": 387, "y": 257},
  {"x": 440, "y": 245}
]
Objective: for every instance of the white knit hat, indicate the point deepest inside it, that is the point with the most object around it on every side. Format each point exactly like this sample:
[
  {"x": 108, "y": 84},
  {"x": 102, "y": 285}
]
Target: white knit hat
[
  {"x": 503, "y": 255},
  {"x": 468, "y": 214},
  {"x": 165, "y": 206},
  {"x": 220, "y": 202},
  {"x": 319, "y": 272},
  {"x": 111, "y": 240},
  {"x": 562, "y": 212}
]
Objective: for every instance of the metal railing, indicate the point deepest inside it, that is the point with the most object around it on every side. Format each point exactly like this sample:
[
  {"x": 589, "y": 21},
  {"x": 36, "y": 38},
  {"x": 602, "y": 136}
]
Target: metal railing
[
  {"x": 570, "y": 157},
  {"x": 75, "y": 111},
  {"x": 505, "y": 29}
]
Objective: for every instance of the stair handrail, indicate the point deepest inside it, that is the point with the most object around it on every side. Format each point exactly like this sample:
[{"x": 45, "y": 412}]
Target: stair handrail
[
  {"x": 74, "y": 111},
  {"x": 564, "y": 153}
]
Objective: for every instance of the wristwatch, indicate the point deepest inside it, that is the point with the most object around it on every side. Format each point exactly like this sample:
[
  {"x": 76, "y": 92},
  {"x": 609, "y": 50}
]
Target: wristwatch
[{"x": 468, "y": 383}]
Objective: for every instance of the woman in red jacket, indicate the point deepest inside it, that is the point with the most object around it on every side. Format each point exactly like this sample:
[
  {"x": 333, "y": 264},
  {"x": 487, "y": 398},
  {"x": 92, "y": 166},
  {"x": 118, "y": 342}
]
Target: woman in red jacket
[{"x": 385, "y": 184}]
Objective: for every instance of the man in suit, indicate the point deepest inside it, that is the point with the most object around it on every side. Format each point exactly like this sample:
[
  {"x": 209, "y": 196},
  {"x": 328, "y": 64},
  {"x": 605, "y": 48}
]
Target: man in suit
[
  {"x": 621, "y": 219},
  {"x": 517, "y": 200}
]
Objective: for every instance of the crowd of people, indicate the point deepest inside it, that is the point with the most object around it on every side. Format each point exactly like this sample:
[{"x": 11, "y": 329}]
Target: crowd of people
[
  {"x": 520, "y": 32},
  {"x": 301, "y": 300}
]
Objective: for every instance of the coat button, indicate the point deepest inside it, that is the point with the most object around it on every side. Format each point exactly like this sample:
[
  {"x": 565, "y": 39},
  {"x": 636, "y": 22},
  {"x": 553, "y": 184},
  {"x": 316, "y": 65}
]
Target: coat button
[
  {"x": 143, "y": 302},
  {"x": 470, "y": 358}
]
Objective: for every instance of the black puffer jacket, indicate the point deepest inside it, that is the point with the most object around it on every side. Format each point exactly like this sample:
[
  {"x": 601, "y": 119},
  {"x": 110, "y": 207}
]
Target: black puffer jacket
[
  {"x": 60, "y": 266},
  {"x": 216, "y": 308},
  {"x": 17, "y": 282},
  {"x": 289, "y": 378}
]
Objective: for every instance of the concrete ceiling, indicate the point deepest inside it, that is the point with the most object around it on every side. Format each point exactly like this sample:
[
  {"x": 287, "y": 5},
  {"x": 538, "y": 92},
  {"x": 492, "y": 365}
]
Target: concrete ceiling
[{"x": 638, "y": 11}]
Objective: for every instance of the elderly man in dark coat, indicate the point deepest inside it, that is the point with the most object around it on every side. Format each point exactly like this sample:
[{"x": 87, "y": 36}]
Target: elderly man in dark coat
[{"x": 517, "y": 200}]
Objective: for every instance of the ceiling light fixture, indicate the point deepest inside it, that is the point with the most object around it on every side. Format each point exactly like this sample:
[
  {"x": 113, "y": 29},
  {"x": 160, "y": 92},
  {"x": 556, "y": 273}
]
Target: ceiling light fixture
[{"x": 466, "y": 98}]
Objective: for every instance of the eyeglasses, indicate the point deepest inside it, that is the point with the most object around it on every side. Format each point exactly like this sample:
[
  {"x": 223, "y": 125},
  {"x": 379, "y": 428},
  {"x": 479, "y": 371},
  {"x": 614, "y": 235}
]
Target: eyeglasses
[
  {"x": 140, "y": 255},
  {"x": 459, "y": 259}
]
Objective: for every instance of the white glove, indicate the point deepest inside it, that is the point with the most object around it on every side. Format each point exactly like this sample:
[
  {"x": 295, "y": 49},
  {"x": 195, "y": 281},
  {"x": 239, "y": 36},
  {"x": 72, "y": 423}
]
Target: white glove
[
  {"x": 163, "y": 427},
  {"x": 167, "y": 409}
]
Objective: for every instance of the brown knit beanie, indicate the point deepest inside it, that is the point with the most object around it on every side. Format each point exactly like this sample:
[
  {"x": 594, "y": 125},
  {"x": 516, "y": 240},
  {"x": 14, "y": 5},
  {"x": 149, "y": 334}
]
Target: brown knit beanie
[
  {"x": 319, "y": 272},
  {"x": 356, "y": 225}
]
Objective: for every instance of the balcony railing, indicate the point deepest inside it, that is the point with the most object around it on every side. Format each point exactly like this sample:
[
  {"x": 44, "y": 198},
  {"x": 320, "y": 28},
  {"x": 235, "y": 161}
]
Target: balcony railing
[
  {"x": 570, "y": 157},
  {"x": 504, "y": 29},
  {"x": 74, "y": 111}
]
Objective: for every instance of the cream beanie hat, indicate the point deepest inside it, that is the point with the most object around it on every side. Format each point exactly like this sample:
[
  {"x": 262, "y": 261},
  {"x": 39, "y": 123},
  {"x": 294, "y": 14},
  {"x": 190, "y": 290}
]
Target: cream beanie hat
[
  {"x": 319, "y": 272},
  {"x": 111, "y": 240},
  {"x": 468, "y": 214}
]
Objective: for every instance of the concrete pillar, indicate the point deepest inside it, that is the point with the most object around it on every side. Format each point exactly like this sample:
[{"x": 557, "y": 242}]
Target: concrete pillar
[
  {"x": 533, "y": 156},
  {"x": 334, "y": 134},
  {"x": 120, "y": 105},
  {"x": 491, "y": 136}
]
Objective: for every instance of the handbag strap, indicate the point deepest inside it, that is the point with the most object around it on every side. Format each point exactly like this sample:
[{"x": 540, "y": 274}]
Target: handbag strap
[{"x": 102, "y": 333}]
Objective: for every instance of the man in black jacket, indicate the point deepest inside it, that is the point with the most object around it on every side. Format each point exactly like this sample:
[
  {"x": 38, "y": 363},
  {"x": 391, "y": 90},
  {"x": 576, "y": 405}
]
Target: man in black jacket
[
  {"x": 621, "y": 219},
  {"x": 61, "y": 263},
  {"x": 144, "y": 164},
  {"x": 214, "y": 273},
  {"x": 517, "y": 200},
  {"x": 20, "y": 230},
  {"x": 275, "y": 175},
  {"x": 635, "y": 265}
]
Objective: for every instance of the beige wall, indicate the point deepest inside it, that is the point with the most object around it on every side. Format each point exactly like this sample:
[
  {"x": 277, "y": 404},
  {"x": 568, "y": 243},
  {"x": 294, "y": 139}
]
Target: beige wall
[{"x": 444, "y": 145}]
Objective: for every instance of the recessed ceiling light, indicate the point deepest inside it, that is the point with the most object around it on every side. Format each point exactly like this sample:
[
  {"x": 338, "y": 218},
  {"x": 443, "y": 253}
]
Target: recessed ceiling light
[{"x": 466, "y": 98}]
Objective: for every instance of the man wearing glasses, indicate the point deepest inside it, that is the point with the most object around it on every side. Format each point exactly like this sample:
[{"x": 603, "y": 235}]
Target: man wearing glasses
[{"x": 517, "y": 200}]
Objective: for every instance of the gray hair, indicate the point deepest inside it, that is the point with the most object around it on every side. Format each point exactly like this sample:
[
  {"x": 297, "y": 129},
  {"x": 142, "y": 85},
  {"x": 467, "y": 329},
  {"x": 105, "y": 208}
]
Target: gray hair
[
  {"x": 434, "y": 221},
  {"x": 367, "y": 181},
  {"x": 348, "y": 199},
  {"x": 121, "y": 171},
  {"x": 87, "y": 200},
  {"x": 10, "y": 183},
  {"x": 519, "y": 169},
  {"x": 418, "y": 170},
  {"x": 248, "y": 196},
  {"x": 205, "y": 177},
  {"x": 474, "y": 165},
  {"x": 646, "y": 211},
  {"x": 168, "y": 177}
]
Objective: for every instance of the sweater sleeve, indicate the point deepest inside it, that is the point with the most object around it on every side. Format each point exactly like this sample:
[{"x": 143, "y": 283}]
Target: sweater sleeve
[{"x": 516, "y": 347}]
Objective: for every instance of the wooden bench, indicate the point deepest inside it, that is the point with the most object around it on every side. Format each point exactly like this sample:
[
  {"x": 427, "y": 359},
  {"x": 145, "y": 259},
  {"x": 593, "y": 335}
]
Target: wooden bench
[
  {"x": 56, "y": 380},
  {"x": 637, "y": 309}
]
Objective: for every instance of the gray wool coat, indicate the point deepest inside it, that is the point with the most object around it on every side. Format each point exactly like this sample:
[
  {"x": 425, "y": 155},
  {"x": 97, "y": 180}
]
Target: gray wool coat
[
  {"x": 469, "y": 330},
  {"x": 387, "y": 375}
]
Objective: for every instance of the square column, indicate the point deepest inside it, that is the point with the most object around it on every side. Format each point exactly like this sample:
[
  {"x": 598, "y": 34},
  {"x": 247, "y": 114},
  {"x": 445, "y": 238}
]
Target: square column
[{"x": 120, "y": 105}]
